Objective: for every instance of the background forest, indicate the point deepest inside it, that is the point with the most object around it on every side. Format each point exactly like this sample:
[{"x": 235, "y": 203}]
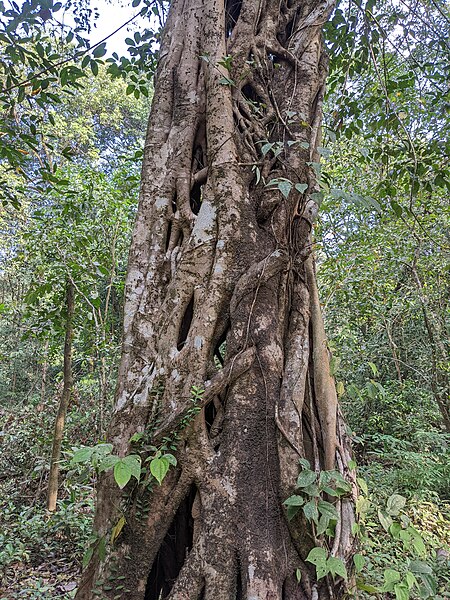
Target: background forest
[{"x": 71, "y": 136}]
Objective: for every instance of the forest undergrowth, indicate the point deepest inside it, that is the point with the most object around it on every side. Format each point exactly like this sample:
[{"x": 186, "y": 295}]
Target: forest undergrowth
[{"x": 41, "y": 553}]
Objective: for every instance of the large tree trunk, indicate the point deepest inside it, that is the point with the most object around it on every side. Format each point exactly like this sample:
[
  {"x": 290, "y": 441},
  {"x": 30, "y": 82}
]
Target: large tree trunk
[{"x": 221, "y": 294}]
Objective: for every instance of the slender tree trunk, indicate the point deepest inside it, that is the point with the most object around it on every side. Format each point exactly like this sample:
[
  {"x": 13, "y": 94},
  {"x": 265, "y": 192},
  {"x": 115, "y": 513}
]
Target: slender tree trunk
[
  {"x": 221, "y": 294},
  {"x": 52, "y": 494},
  {"x": 394, "y": 351},
  {"x": 103, "y": 395},
  {"x": 440, "y": 382},
  {"x": 44, "y": 373},
  {"x": 14, "y": 380}
]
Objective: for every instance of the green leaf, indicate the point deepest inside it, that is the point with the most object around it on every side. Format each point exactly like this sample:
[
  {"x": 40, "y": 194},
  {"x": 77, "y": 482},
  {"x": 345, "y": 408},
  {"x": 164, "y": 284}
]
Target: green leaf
[
  {"x": 411, "y": 580},
  {"x": 385, "y": 520},
  {"x": 301, "y": 187},
  {"x": 94, "y": 67},
  {"x": 342, "y": 486},
  {"x": 100, "y": 50},
  {"x": 391, "y": 577},
  {"x": 298, "y": 575},
  {"x": 285, "y": 188},
  {"x": 103, "y": 449},
  {"x": 266, "y": 148},
  {"x": 317, "y": 555},
  {"x": 398, "y": 210},
  {"x": 133, "y": 462},
  {"x": 373, "y": 366},
  {"x": 96, "y": 302},
  {"x": 292, "y": 511},
  {"x": 401, "y": 591},
  {"x": 419, "y": 546},
  {"x": 159, "y": 468},
  {"x": 429, "y": 585},
  {"x": 108, "y": 463},
  {"x": 82, "y": 455},
  {"x": 324, "y": 522},
  {"x": 363, "y": 486},
  {"x": 340, "y": 389},
  {"x": 310, "y": 511},
  {"x": 326, "y": 508},
  {"x": 405, "y": 536},
  {"x": 306, "y": 478},
  {"x": 101, "y": 549},
  {"x": 419, "y": 567},
  {"x": 294, "y": 501},
  {"x": 328, "y": 490},
  {"x": 362, "y": 505},
  {"x": 171, "y": 458},
  {"x": 359, "y": 561},
  {"x": 336, "y": 567},
  {"x": 305, "y": 464},
  {"x": 321, "y": 570},
  {"x": 335, "y": 361},
  {"x": 316, "y": 166},
  {"x": 395, "y": 530},
  {"x": 284, "y": 185},
  {"x": 318, "y": 198},
  {"x": 122, "y": 473},
  {"x": 395, "y": 504},
  {"x": 366, "y": 587},
  {"x": 311, "y": 490}
]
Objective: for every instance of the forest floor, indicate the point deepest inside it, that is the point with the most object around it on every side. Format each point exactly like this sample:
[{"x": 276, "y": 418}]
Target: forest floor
[{"x": 40, "y": 552}]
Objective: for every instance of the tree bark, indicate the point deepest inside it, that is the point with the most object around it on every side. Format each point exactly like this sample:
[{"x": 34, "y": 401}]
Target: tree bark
[
  {"x": 221, "y": 294},
  {"x": 52, "y": 493}
]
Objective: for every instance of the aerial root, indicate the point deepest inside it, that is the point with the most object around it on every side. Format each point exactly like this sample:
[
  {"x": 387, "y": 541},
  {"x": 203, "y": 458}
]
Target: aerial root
[
  {"x": 258, "y": 273},
  {"x": 190, "y": 581},
  {"x": 236, "y": 366},
  {"x": 324, "y": 386}
]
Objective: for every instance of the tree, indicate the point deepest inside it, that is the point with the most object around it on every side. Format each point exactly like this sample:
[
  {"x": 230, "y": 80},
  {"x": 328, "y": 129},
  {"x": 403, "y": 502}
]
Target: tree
[
  {"x": 221, "y": 298},
  {"x": 52, "y": 494}
]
